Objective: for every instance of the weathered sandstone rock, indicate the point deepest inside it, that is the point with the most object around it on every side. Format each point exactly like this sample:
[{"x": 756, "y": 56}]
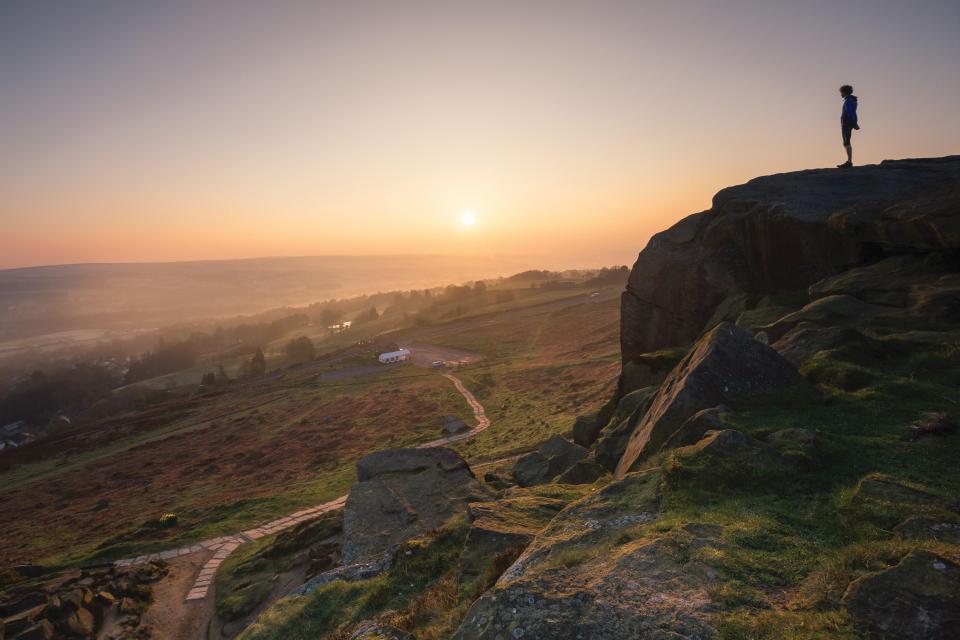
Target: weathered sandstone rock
[
  {"x": 917, "y": 598},
  {"x": 726, "y": 366},
  {"x": 402, "y": 493},
  {"x": 782, "y": 233}
]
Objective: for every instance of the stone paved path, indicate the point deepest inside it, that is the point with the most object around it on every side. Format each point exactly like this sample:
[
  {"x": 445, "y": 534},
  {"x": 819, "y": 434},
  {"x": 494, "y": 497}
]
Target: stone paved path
[{"x": 225, "y": 545}]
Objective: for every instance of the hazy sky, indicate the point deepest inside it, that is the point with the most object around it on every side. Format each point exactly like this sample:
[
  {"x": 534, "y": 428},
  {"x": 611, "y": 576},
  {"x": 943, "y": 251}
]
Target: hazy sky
[{"x": 184, "y": 130}]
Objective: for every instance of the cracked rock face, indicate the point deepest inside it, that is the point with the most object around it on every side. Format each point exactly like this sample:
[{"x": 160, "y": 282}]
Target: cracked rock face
[
  {"x": 780, "y": 233},
  {"x": 403, "y": 493},
  {"x": 590, "y": 575},
  {"x": 726, "y": 367}
]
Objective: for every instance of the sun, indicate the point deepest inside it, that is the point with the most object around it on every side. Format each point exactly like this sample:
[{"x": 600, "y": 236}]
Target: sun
[{"x": 468, "y": 218}]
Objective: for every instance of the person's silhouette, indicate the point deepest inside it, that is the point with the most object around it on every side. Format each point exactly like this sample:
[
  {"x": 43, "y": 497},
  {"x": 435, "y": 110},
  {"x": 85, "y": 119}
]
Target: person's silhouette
[{"x": 848, "y": 122}]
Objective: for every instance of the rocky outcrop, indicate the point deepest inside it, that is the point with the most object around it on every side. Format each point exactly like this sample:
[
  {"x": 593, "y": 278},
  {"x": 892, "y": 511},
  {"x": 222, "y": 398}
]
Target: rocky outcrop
[
  {"x": 585, "y": 576},
  {"x": 531, "y": 469},
  {"x": 552, "y": 457},
  {"x": 727, "y": 366},
  {"x": 614, "y": 438},
  {"x": 917, "y": 598},
  {"x": 499, "y": 532},
  {"x": 695, "y": 427},
  {"x": 924, "y": 528},
  {"x": 586, "y": 429},
  {"x": 783, "y": 233},
  {"x": 402, "y": 493},
  {"x": 804, "y": 341},
  {"x": 76, "y": 604},
  {"x": 582, "y": 472}
]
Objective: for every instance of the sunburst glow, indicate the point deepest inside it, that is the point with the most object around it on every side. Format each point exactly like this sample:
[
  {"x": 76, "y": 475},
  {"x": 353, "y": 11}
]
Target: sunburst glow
[{"x": 468, "y": 218}]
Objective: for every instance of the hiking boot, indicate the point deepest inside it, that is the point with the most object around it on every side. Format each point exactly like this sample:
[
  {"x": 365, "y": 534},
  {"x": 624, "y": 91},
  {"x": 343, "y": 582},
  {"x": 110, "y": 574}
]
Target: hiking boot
[{"x": 845, "y": 165}]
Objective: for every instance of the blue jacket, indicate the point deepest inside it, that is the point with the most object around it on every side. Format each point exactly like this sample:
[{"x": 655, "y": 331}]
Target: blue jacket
[{"x": 848, "y": 116}]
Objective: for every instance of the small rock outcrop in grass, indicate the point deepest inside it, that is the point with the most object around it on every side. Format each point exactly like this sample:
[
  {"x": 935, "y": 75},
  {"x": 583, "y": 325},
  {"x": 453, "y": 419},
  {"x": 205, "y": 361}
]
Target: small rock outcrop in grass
[
  {"x": 917, "y": 598},
  {"x": 452, "y": 425},
  {"x": 924, "y": 528},
  {"x": 804, "y": 341},
  {"x": 726, "y": 458}
]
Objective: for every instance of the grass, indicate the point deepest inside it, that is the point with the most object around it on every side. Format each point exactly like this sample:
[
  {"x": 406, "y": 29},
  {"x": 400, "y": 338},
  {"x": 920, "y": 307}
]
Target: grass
[
  {"x": 244, "y": 458},
  {"x": 245, "y": 578},
  {"x": 791, "y": 544},
  {"x": 419, "y": 593},
  {"x": 244, "y": 455}
]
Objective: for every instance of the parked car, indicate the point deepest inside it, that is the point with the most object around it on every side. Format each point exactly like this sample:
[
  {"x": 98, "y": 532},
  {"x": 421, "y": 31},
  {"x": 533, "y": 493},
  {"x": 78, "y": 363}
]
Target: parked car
[{"x": 438, "y": 364}]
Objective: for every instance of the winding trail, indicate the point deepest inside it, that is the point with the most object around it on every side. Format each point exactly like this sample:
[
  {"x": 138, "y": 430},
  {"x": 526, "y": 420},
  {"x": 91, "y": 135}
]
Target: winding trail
[{"x": 223, "y": 546}]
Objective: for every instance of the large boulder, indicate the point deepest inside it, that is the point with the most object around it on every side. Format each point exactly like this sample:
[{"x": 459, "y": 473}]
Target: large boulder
[
  {"x": 593, "y": 573},
  {"x": 917, "y": 598},
  {"x": 531, "y": 469},
  {"x": 402, "y": 493},
  {"x": 726, "y": 366},
  {"x": 586, "y": 429},
  {"x": 561, "y": 453},
  {"x": 552, "y": 457},
  {"x": 783, "y": 233}
]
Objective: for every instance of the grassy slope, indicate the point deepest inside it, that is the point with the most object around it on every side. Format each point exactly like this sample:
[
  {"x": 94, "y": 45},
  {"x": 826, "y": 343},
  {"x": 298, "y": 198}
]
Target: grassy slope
[
  {"x": 791, "y": 544},
  {"x": 247, "y": 455},
  {"x": 420, "y": 593}
]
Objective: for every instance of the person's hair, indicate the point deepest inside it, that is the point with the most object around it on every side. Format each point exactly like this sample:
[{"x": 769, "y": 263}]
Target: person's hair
[{"x": 846, "y": 89}]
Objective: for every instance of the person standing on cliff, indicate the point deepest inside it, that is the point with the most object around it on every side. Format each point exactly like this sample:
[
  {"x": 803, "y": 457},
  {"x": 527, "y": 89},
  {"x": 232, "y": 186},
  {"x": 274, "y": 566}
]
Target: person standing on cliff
[{"x": 848, "y": 122}]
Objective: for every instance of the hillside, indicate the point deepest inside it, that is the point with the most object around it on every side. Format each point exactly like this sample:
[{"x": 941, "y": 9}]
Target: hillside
[
  {"x": 778, "y": 460},
  {"x": 83, "y": 302}
]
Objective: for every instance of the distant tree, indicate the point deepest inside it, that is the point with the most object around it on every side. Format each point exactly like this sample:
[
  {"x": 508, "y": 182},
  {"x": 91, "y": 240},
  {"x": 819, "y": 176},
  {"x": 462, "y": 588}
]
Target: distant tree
[
  {"x": 258, "y": 363},
  {"x": 479, "y": 287},
  {"x": 367, "y": 316},
  {"x": 329, "y": 316},
  {"x": 222, "y": 377},
  {"x": 300, "y": 348},
  {"x": 209, "y": 379}
]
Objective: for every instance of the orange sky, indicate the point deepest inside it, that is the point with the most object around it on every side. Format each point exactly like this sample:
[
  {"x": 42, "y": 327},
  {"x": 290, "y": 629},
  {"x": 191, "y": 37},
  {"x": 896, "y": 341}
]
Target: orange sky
[{"x": 573, "y": 130}]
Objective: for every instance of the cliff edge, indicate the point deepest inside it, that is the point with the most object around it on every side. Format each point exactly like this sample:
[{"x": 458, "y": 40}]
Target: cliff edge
[{"x": 782, "y": 233}]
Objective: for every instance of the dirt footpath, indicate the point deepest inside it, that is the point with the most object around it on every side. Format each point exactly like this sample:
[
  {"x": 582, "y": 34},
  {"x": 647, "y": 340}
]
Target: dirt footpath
[{"x": 170, "y": 616}]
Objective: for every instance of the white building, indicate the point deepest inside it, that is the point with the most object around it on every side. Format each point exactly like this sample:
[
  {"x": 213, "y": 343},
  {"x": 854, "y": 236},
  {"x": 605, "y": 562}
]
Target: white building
[{"x": 394, "y": 356}]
